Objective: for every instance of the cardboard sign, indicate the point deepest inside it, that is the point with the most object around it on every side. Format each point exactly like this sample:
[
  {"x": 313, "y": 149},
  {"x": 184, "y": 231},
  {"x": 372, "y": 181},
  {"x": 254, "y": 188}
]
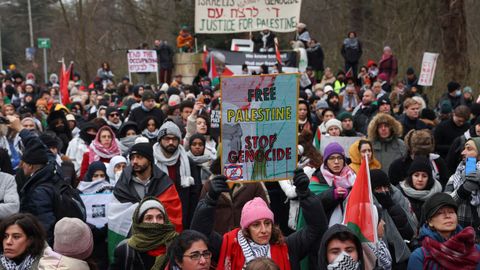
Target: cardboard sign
[
  {"x": 259, "y": 127},
  {"x": 235, "y": 16},
  {"x": 142, "y": 61},
  {"x": 345, "y": 142}
]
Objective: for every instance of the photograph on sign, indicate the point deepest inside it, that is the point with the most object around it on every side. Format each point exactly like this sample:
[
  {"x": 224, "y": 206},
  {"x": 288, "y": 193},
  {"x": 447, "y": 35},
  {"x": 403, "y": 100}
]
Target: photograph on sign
[
  {"x": 259, "y": 127},
  {"x": 142, "y": 61},
  {"x": 220, "y": 17}
]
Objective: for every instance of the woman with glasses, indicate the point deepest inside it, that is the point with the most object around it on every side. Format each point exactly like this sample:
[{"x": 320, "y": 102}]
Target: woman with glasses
[
  {"x": 445, "y": 243},
  {"x": 189, "y": 251},
  {"x": 335, "y": 180},
  {"x": 152, "y": 233}
]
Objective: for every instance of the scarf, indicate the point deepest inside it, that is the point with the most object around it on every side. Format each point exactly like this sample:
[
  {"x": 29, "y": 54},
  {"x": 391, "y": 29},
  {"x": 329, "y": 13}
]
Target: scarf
[
  {"x": 129, "y": 141},
  {"x": 345, "y": 180},
  {"x": 97, "y": 150},
  {"x": 199, "y": 160},
  {"x": 252, "y": 250},
  {"x": 351, "y": 43},
  {"x": 162, "y": 162},
  {"x": 422, "y": 195},
  {"x": 152, "y": 238},
  {"x": 459, "y": 179},
  {"x": 117, "y": 126},
  {"x": 457, "y": 251},
  {"x": 149, "y": 134},
  {"x": 8, "y": 264},
  {"x": 343, "y": 262}
]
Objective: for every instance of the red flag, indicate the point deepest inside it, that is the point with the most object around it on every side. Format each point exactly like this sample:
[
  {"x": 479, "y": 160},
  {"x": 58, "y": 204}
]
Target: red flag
[
  {"x": 64, "y": 79},
  {"x": 349, "y": 73},
  {"x": 213, "y": 69},
  {"x": 204, "y": 58},
  {"x": 277, "y": 52},
  {"x": 360, "y": 213}
]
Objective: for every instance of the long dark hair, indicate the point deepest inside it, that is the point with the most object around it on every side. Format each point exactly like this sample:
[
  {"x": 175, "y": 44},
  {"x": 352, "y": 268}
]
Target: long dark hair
[
  {"x": 32, "y": 229},
  {"x": 181, "y": 244}
]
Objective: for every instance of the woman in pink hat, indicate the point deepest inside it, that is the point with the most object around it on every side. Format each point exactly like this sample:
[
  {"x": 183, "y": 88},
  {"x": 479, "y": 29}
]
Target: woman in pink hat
[{"x": 258, "y": 236}]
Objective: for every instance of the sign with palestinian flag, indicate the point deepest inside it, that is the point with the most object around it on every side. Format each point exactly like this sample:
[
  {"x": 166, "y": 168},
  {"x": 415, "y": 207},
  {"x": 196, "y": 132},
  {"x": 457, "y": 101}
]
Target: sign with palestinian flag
[
  {"x": 259, "y": 127},
  {"x": 360, "y": 213}
]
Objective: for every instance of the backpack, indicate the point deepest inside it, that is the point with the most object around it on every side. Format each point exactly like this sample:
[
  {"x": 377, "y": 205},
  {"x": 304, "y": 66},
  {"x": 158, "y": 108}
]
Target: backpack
[{"x": 68, "y": 202}]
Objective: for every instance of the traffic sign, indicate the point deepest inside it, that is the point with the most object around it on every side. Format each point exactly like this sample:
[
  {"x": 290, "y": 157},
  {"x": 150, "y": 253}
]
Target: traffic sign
[{"x": 44, "y": 43}]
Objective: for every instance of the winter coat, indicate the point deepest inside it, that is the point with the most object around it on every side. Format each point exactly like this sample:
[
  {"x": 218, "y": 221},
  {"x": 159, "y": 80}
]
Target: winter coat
[
  {"x": 455, "y": 101},
  {"x": 9, "y": 200},
  {"x": 416, "y": 203},
  {"x": 445, "y": 133},
  {"x": 389, "y": 66},
  {"x": 299, "y": 243},
  {"x": 386, "y": 150},
  {"x": 352, "y": 54},
  {"x": 468, "y": 212},
  {"x": 327, "y": 236},
  {"x": 159, "y": 186},
  {"x": 362, "y": 115},
  {"x": 229, "y": 205},
  {"x": 126, "y": 257},
  {"x": 418, "y": 256},
  {"x": 165, "y": 55},
  {"x": 409, "y": 124},
  {"x": 138, "y": 114},
  {"x": 316, "y": 57},
  {"x": 399, "y": 168},
  {"x": 52, "y": 260}
]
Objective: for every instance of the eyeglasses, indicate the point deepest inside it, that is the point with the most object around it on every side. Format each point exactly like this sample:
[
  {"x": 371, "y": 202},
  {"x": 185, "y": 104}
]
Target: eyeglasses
[
  {"x": 195, "y": 256},
  {"x": 113, "y": 115},
  {"x": 333, "y": 158}
]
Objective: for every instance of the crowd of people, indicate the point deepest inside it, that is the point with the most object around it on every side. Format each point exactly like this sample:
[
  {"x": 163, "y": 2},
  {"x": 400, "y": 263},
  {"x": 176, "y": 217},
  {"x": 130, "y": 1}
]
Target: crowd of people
[{"x": 157, "y": 149}]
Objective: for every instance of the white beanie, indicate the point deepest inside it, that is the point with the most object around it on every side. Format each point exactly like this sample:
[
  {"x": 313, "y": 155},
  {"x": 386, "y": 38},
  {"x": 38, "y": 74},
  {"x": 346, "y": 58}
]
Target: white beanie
[{"x": 333, "y": 123}]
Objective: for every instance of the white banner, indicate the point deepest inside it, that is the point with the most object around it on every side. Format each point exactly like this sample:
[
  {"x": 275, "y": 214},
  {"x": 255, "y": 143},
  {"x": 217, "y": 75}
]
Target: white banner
[
  {"x": 429, "y": 63},
  {"x": 235, "y": 16},
  {"x": 345, "y": 142},
  {"x": 142, "y": 61}
]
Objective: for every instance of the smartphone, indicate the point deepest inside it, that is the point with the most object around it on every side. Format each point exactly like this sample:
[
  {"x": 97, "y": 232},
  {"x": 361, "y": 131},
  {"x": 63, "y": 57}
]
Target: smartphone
[{"x": 471, "y": 165}]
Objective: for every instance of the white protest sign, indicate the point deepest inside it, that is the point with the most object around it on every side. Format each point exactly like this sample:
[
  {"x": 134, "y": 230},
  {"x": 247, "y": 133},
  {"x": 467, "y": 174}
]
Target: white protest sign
[
  {"x": 96, "y": 205},
  {"x": 142, "y": 61},
  {"x": 429, "y": 63},
  {"x": 345, "y": 142},
  {"x": 235, "y": 16}
]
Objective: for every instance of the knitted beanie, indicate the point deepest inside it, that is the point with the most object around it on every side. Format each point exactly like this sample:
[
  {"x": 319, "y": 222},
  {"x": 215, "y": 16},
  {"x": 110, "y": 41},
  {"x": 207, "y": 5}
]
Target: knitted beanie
[
  {"x": 73, "y": 238},
  {"x": 344, "y": 115},
  {"x": 332, "y": 148},
  {"x": 150, "y": 204},
  {"x": 147, "y": 94},
  {"x": 142, "y": 149},
  {"x": 254, "y": 210},
  {"x": 333, "y": 123},
  {"x": 378, "y": 178},
  {"x": 35, "y": 153},
  {"x": 169, "y": 128}
]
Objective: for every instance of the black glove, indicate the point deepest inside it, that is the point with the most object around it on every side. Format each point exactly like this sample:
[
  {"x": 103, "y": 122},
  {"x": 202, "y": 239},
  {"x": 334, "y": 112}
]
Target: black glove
[
  {"x": 384, "y": 198},
  {"x": 217, "y": 185},
  {"x": 301, "y": 182},
  {"x": 472, "y": 181}
]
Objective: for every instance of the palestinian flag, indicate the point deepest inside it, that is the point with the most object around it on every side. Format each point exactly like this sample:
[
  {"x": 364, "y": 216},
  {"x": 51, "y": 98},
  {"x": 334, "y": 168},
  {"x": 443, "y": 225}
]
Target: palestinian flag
[
  {"x": 360, "y": 213},
  {"x": 64, "y": 79},
  {"x": 317, "y": 138},
  {"x": 119, "y": 222}
]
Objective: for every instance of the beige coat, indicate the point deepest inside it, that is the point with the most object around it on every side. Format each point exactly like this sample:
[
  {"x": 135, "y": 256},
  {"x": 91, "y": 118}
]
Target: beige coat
[{"x": 52, "y": 260}]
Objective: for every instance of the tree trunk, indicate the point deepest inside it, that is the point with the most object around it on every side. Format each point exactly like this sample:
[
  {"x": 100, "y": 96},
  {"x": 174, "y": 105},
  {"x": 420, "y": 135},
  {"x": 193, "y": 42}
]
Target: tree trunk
[{"x": 454, "y": 46}]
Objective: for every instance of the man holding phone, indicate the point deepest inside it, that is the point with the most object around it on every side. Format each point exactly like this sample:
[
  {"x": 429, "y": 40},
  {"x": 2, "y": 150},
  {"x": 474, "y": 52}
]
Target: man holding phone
[{"x": 464, "y": 186}]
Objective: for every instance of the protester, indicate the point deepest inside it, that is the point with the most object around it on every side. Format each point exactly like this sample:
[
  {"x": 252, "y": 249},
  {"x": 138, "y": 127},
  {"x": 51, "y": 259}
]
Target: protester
[
  {"x": 446, "y": 131},
  {"x": 410, "y": 119},
  {"x": 357, "y": 152},
  {"x": 351, "y": 52},
  {"x": 189, "y": 251},
  {"x": 454, "y": 155},
  {"x": 388, "y": 65},
  {"x": 9, "y": 199},
  {"x": 200, "y": 158},
  {"x": 78, "y": 146},
  {"x": 147, "y": 108},
  {"x": 258, "y": 236},
  {"x": 364, "y": 112},
  {"x": 445, "y": 243},
  {"x": 152, "y": 233}
]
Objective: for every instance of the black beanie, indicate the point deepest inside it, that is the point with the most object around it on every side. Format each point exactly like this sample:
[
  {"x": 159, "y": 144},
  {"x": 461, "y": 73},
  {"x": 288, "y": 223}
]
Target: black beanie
[
  {"x": 422, "y": 164},
  {"x": 434, "y": 203},
  {"x": 197, "y": 136},
  {"x": 142, "y": 149},
  {"x": 35, "y": 152},
  {"x": 378, "y": 179},
  {"x": 48, "y": 140},
  {"x": 453, "y": 86}
]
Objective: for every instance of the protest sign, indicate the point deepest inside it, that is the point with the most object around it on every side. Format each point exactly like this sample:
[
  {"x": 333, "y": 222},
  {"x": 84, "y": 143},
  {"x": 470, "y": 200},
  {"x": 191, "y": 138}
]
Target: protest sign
[
  {"x": 259, "y": 127},
  {"x": 96, "y": 206},
  {"x": 345, "y": 142},
  {"x": 235, "y": 16},
  {"x": 429, "y": 63},
  {"x": 142, "y": 61}
]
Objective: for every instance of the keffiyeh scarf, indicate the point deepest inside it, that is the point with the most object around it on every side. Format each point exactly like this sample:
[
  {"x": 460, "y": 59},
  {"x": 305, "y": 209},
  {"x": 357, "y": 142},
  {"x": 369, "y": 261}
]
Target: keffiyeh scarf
[
  {"x": 8, "y": 264},
  {"x": 252, "y": 250}
]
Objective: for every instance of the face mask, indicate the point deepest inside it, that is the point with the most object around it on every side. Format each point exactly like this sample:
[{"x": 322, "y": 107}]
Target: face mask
[
  {"x": 458, "y": 93},
  {"x": 343, "y": 261},
  {"x": 117, "y": 175},
  {"x": 98, "y": 179}
]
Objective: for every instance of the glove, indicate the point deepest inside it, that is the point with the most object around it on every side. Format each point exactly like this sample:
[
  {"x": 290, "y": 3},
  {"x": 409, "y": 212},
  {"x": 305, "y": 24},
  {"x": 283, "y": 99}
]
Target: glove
[
  {"x": 301, "y": 182},
  {"x": 217, "y": 185},
  {"x": 384, "y": 198},
  {"x": 340, "y": 193},
  {"x": 470, "y": 185}
]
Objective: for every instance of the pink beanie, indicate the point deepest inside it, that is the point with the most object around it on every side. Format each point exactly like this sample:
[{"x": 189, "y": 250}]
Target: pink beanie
[{"x": 254, "y": 210}]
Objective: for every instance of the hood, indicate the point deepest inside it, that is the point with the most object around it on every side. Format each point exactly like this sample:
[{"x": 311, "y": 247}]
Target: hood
[
  {"x": 322, "y": 252},
  {"x": 425, "y": 231},
  {"x": 125, "y": 192},
  {"x": 126, "y": 126},
  {"x": 83, "y": 132},
  {"x": 383, "y": 118}
]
